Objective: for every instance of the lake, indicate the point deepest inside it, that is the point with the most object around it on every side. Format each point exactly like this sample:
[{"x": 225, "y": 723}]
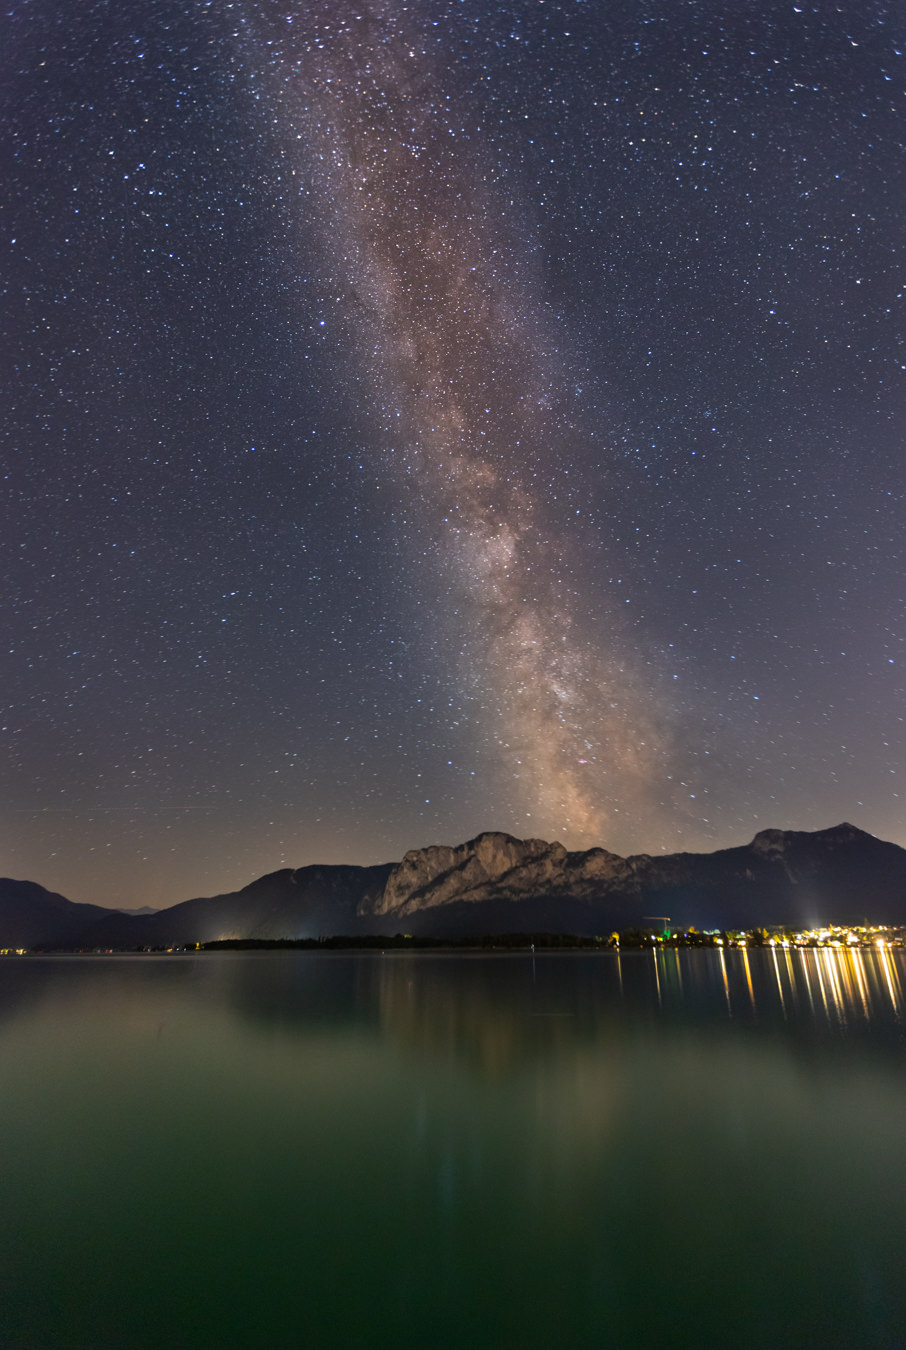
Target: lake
[{"x": 680, "y": 1149}]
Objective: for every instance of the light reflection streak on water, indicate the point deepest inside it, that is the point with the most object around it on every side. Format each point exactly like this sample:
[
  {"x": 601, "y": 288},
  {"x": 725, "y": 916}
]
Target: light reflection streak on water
[
  {"x": 723, "y": 967},
  {"x": 851, "y": 963},
  {"x": 815, "y": 957},
  {"x": 828, "y": 971},
  {"x": 847, "y": 982},
  {"x": 791, "y": 975},
  {"x": 679, "y": 971},
  {"x": 779, "y": 982},
  {"x": 803, "y": 963},
  {"x": 859, "y": 972},
  {"x": 892, "y": 977},
  {"x": 745, "y": 961},
  {"x": 657, "y": 977}
]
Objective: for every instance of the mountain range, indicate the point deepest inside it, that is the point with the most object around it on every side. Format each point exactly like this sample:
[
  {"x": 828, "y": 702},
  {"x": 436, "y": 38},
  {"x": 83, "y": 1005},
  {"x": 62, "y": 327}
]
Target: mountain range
[{"x": 498, "y": 884}]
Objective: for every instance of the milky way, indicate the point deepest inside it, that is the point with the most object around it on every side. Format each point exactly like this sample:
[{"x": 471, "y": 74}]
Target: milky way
[{"x": 470, "y": 383}]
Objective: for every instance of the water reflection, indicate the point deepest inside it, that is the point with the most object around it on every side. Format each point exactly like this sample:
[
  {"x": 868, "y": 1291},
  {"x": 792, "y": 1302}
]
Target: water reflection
[
  {"x": 283, "y": 1150},
  {"x": 840, "y": 985},
  {"x": 723, "y": 971},
  {"x": 494, "y": 1010},
  {"x": 821, "y": 988}
]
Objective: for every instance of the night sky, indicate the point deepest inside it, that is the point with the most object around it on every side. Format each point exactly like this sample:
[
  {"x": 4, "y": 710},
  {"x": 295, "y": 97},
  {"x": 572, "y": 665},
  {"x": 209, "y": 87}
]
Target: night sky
[{"x": 442, "y": 416}]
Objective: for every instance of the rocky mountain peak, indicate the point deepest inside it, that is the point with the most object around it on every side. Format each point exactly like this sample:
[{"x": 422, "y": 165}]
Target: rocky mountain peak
[
  {"x": 771, "y": 841},
  {"x": 845, "y": 833},
  {"x": 439, "y": 874},
  {"x": 776, "y": 843}
]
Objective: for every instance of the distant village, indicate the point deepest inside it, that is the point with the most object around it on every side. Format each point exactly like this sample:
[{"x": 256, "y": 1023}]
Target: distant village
[
  {"x": 839, "y": 936},
  {"x": 843, "y": 936}
]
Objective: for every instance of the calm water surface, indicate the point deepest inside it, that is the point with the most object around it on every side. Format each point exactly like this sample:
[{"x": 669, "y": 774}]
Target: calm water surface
[{"x": 269, "y": 1150}]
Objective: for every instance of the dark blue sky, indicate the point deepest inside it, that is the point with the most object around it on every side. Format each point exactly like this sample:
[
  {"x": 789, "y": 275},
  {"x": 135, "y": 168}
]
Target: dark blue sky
[{"x": 435, "y": 417}]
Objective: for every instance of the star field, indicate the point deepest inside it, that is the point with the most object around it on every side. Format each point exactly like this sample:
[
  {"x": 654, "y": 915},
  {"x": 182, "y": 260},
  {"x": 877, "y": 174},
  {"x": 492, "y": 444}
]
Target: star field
[{"x": 433, "y": 417}]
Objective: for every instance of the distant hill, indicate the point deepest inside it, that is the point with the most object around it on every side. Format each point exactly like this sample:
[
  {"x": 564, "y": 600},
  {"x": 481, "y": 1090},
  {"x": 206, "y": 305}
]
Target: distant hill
[
  {"x": 306, "y": 902},
  {"x": 31, "y": 916},
  {"x": 495, "y": 884}
]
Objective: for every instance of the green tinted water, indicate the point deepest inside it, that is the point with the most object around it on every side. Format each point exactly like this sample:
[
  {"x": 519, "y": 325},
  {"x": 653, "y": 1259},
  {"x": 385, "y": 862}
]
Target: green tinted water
[{"x": 451, "y": 1151}]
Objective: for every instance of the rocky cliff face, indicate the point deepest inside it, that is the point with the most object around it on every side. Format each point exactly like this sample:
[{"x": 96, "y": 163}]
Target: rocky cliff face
[{"x": 496, "y": 866}]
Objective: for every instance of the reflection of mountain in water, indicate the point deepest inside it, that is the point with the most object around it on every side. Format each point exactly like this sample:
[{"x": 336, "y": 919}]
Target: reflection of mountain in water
[
  {"x": 300, "y": 992},
  {"x": 498, "y": 1014},
  {"x": 495, "y": 1015},
  {"x": 377, "y": 1124}
]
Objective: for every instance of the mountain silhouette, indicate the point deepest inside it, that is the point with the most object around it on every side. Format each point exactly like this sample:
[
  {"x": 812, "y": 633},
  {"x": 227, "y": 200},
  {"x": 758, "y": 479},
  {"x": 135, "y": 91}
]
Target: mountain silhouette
[{"x": 496, "y": 883}]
